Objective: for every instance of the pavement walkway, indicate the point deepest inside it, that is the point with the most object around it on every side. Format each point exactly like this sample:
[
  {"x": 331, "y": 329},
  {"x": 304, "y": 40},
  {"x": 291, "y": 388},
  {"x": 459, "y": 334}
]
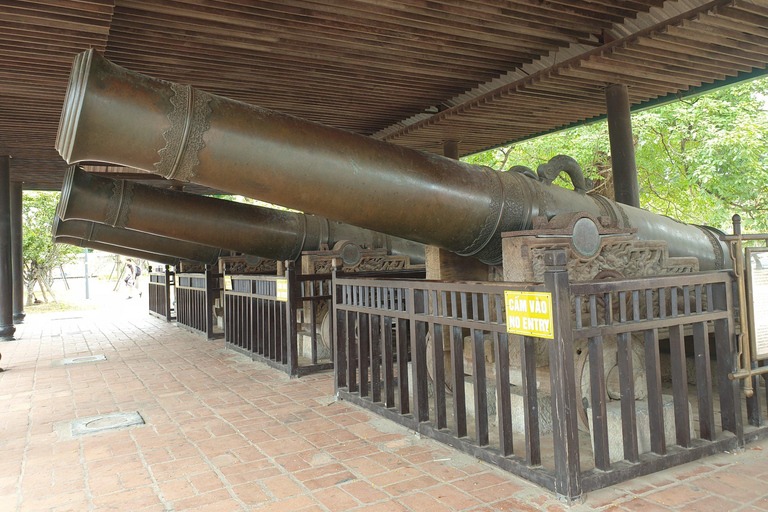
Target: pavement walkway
[{"x": 223, "y": 434}]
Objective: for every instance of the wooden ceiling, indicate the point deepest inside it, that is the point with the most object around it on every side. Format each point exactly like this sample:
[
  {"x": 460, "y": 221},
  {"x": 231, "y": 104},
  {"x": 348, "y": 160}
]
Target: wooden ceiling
[{"x": 413, "y": 72}]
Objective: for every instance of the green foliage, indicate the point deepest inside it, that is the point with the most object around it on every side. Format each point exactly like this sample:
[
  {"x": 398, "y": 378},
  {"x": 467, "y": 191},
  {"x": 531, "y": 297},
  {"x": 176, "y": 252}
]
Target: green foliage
[
  {"x": 699, "y": 160},
  {"x": 704, "y": 160},
  {"x": 41, "y": 255},
  {"x": 587, "y": 144}
]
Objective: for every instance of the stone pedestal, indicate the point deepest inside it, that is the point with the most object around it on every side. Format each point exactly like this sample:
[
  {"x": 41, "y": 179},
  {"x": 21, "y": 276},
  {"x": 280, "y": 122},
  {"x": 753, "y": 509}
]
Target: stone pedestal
[
  {"x": 615, "y": 439},
  {"x": 305, "y": 347},
  {"x": 447, "y": 266}
]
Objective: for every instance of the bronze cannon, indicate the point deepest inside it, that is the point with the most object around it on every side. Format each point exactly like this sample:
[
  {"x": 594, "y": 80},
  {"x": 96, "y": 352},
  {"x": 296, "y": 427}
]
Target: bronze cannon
[
  {"x": 115, "y": 249},
  {"x": 136, "y": 240},
  {"x": 264, "y": 232},
  {"x": 115, "y": 115}
]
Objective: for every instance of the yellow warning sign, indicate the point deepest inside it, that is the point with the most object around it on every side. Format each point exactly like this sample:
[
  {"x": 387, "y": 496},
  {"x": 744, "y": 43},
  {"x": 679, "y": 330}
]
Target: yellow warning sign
[
  {"x": 529, "y": 313},
  {"x": 228, "y": 283},
  {"x": 281, "y": 292}
]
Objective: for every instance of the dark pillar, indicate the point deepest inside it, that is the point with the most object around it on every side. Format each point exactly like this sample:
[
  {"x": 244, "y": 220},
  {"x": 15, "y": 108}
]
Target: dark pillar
[
  {"x": 565, "y": 427},
  {"x": 6, "y": 272},
  {"x": 17, "y": 256},
  {"x": 625, "y": 184},
  {"x": 451, "y": 149}
]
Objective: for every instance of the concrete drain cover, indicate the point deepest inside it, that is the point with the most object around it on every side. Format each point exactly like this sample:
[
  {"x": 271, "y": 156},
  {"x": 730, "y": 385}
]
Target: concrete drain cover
[
  {"x": 79, "y": 360},
  {"x": 106, "y": 422}
]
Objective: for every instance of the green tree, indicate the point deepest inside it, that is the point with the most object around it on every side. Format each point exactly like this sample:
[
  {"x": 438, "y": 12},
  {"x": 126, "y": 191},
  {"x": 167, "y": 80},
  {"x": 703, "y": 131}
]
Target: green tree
[
  {"x": 699, "y": 160},
  {"x": 704, "y": 160},
  {"x": 41, "y": 255}
]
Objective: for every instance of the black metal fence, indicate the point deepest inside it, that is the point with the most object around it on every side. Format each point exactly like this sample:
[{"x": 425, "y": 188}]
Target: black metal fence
[
  {"x": 160, "y": 293},
  {"x": 285, "y": 322},
  {"x": 387, "y": 329},
  {"x": 194, "y": 301}
]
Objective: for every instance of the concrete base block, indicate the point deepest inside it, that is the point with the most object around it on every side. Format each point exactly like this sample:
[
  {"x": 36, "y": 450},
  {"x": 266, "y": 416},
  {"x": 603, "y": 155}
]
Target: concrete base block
[
  {"x": 615, "y": 437},
  {"x": 517, "y": 406},
  {"x": 305, "y": 348},
  {"x": 516, "y": 402}
]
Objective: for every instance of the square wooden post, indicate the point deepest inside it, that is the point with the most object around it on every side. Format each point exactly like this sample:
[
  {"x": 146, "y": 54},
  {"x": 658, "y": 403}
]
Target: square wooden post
[{"x": 561, "y": 366}]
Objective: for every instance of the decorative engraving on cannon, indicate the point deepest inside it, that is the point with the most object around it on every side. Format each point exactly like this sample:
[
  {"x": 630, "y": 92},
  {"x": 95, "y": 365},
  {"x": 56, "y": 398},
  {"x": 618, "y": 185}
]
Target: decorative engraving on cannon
[{"x": 190, "y": 119}]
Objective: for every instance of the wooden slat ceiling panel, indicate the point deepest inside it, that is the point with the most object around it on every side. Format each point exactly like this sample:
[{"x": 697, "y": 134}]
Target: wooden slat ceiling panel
[
  {"x": 700, "y": 47},
  {"x": 362, "y": 65},
  {"x": 359, "y": 65},
  {"x": 38, "y": 41}
]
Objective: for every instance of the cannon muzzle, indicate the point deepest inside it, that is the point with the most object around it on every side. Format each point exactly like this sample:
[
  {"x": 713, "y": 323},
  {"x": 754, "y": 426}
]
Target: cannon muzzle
[
  {"x": 118, "y": 116},
  {"x": 265, "y": 232},
  {"x": 145, "y": 242},
  {"x": 115, "y": 249}
]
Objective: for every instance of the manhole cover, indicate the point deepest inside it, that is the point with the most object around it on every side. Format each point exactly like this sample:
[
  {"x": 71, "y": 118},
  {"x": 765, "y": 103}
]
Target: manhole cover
[
  {"x": 106, "y": 422},
  {"x": 79, "y": 360}
]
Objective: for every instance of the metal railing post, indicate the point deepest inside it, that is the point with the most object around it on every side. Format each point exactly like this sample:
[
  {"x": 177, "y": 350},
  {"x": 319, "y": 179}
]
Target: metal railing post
[
  {"x": 167, "y": 291},
  {"x": 210, "y": 288},
  {"x": 291, "y": 317},
  {"x": 339, "y": 336}
]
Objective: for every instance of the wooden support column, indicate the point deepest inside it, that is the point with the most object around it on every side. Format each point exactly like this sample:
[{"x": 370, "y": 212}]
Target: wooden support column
[
  {"x": 625, "y": 186},
  {"x": 6, "y": 267},
  {"x": 565, "y": 428},
  {"x": 451, "y": 149},
  {"x": 17, "y": 255}
]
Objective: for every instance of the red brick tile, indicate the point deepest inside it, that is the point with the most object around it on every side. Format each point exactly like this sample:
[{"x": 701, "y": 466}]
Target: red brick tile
[
  {"x": 105, "y": 484},
  {"x": 365, "y": 467},
  {"x": 498, "y": 492},
  {"x": 295, "y": 503},
  {"x": 205, "y": 482},
  {"x": 478, "y": 482},
  {"x": 173, "y": 490},
  {"x": 711, "y": 504},
  {"x": 676, "y": 496},
  {"x": 389, "y": 506},
  {"x": 282, "y": 447},
  {"x": 335, "y": 499},
  {"x": 364, "y": 492},
  {"x": 422, "y": 501},
  {"x": 49, "y": 502},
  {"x": 732, "y": 486},
  {"x": 330, "y": 480},
  {"x": 282, "y": 486},
  {"x": 251, "y": 493},
  {"x": 452, "y": 496},
  {"x": 319, "y": 472},
  {"x": 604, "y": 497},
  {"x": 411, "y": 485},
  {"x": 128, "y": 500},
  {"x": 200, "y": 500},
  {"x": 641, "y": 505}
]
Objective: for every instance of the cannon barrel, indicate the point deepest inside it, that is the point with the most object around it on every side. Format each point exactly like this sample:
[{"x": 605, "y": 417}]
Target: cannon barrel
[
  {"x": 265, "y": 232},
  {"x": 101, "y": 233},
  {"x": 114, "y": 115},
  {"x": 116, "y": 249}
]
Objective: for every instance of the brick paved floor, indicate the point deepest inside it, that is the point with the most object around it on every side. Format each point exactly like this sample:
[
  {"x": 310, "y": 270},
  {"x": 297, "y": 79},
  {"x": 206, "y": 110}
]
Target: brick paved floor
[{"x": 225, "y": 434}]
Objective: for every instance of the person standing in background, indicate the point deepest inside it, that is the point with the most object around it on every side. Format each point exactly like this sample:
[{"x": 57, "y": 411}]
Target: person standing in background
[{"x": 133, "y": 271}]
